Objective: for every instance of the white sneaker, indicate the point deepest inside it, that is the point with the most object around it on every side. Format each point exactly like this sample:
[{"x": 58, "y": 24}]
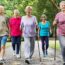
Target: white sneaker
[
  {"x": 1, "y": 58},
  {"x": 14, "y": 53},
  {"x": 18, "y": 55}
]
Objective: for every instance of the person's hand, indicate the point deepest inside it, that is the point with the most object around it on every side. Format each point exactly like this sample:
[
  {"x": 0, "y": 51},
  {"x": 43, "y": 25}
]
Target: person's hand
[
  {"x": 38, "y": 37},
  {"x": 9, "y": 35}
]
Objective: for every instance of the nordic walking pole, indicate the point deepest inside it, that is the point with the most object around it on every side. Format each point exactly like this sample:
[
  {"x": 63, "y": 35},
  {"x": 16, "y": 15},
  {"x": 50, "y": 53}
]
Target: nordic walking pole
[
  {"x": 38, "y": 46},
  {"x": 45, "y": 48},
  {"x": 55, "y": 44},
  {"x": 39, "y": 50},
  {"x": 20, "y": 50}
]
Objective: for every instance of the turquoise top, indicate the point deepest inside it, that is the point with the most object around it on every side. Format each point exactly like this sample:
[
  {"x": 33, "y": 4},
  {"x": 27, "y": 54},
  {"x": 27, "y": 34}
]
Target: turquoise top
[{"x": 44, "y": 29}]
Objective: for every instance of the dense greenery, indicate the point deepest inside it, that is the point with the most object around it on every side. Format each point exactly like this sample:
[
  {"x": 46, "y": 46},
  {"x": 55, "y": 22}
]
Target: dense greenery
[{"x": 49, "y": 7}]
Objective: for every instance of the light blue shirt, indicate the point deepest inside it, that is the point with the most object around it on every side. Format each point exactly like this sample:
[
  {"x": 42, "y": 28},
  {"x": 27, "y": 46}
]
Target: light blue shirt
[{"x": 44, "y": 28}]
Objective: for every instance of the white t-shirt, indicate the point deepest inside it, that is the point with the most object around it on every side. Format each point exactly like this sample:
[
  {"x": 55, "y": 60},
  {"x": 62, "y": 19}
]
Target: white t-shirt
[{"x": 29, "y": 26}]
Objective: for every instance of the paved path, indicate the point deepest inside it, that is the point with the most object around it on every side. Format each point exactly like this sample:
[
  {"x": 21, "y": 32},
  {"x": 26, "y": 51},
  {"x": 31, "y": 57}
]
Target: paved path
[{"x": 11, "y": 60}]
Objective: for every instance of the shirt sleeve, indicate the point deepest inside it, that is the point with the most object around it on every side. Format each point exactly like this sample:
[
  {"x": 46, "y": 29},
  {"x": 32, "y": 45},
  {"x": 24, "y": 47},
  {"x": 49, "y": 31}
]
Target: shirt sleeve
[{"x": 35, "y": 20}]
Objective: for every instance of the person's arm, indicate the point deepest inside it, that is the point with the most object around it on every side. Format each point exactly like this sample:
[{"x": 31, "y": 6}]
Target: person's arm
[
  {"x": 7, "y": 23},
  {"x": 35, "y": 20},
  {"x": 21, "y": 24},
  {"x": 56, "y": 19},
  {"x": 9, "y": 27},
  {"x": 54, "y": 22}
]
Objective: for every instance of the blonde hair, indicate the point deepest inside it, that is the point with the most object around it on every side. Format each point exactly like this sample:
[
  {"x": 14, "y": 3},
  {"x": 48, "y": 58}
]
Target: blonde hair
[
  {"x": 28, "y": 7},
  {"x": 16, "y": 11},
  {"x": 2, "y": 8},
  {"x": 62, "y": 2}
]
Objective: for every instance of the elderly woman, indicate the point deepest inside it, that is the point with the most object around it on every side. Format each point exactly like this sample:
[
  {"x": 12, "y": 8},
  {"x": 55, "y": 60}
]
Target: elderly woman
[
  {"x": 3, "y": 32},
  {"x": 15, "y": 32},
  {"x": 28, "y": 24},
  {"x": 44, "y": 31},
  {"x": 60, "y": 21}
]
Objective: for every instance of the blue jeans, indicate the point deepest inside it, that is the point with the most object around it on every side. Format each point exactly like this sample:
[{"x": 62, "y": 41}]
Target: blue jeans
[
  {"x": 62, "y": 45},
  {"x": 45, "y": 41},
  {"x": 16, "y": 42},
  {"x": 3, "y": 40}
]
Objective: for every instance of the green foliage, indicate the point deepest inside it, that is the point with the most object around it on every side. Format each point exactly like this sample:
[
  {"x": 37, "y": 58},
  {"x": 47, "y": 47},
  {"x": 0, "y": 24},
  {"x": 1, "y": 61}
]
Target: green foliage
[{"x": 39, "y": 7}]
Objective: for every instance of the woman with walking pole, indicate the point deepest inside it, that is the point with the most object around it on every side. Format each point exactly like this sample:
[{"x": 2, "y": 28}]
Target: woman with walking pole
[
  {"x": 3, "y": 32},
  {"x": 28, "y": 24},
  {"x": 44, "y": 32},
  {"x": 15, "y": 32},
  {"x": 60, "y": 21}
]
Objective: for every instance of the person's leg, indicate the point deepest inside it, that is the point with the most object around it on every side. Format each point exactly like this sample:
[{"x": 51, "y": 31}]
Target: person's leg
[
  {"x": 43, "y": 44},
  {"x": 13, "y": 46},
  {"x": 32, "y": 45},
  {"x": 62, "y": 44},
  {"x": 3, "y": 42},
  {"x": 13, "y": 40},
  {"x": 27, "y": 49},
  {"x": 18, "y": 43},
  {"x": 46, "y": 44},
  {"x": 0, "y": 43}
]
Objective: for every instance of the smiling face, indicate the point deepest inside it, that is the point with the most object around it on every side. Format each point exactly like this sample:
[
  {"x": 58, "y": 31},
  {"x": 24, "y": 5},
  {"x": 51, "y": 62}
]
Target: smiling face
[
  {"x": 16, "y": 13},
  {"x": 28, "y": 10},
  {"x": 62, "y": 5},
  {"x": 43, "y": 18}
]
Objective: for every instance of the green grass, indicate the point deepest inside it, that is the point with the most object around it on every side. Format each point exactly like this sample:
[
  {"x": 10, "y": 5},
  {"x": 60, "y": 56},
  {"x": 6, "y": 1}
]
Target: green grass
[
  {"x": 52, "y": 44},
  {"x": 8, "y": 44}
]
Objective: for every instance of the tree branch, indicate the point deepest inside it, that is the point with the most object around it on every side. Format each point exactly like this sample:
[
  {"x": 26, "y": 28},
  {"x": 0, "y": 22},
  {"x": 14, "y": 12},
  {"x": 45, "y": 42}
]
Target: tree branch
[{"x": 54, "y": 4}]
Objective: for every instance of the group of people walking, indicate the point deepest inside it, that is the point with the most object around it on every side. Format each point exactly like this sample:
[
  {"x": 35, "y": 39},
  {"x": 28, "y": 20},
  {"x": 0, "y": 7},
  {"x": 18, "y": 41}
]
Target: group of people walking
[{"x": 25, "y": 26}]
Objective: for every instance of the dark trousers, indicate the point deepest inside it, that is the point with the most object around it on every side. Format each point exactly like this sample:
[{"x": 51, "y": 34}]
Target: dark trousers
[
  {"x": 45, "y": 42},
  {"x": 16, "y": 42}
]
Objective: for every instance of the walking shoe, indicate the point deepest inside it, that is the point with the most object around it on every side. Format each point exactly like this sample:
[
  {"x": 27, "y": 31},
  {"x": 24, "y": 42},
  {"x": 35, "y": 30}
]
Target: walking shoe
[
  {"x": 44, "y": 53},
  {"x": 14, "y": 53},
  {"x": 63, "y": 63},
  {"x": 18, "y": 55},
  {"x": 1, "y": 58},
  {"x": 27, "y": 61}
]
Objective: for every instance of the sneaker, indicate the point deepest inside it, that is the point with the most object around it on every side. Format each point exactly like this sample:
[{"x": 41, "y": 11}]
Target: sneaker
[
  {"x": 27, "y": 61},
  {"x": 14, "y": 53},
  {"x": 1, "y": 58},
  {"x": 46, "y": 53},
  {"x": 63, "y": 63},
  {"x": 18, "y": 55}
]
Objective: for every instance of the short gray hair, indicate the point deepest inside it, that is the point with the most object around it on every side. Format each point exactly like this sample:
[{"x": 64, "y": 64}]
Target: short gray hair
[{"x": 62, "y": 2}]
